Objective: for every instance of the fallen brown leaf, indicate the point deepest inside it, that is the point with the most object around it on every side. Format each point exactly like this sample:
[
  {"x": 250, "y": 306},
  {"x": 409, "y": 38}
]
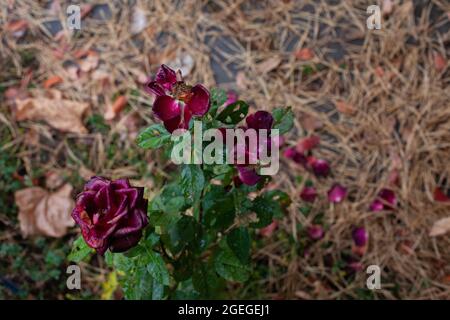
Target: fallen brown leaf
[
  {"x": 61, "y": 114},
  {"x": 90, "y": 62},
  {"x": 440, "y": 227},
  {"x": 345, "y": 108},
  {"x": 268, "y": 65},
  {"x": 52, "y": 81},
  {"x": 304, "y": 54},
  {"x": 114, "y": 109},
  {"x": 388, "y": 6},
  {"x": 439, "y": 61},
  {"x": 310, "y": 123},
  {"x": 44, "y": 213},
  {"x": 17, "y": 28}
]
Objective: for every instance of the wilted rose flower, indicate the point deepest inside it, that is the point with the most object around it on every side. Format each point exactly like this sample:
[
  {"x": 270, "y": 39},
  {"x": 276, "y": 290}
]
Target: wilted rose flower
[
  {"x": 308, "y": 194},
  {"x": 315, "y": 232},
  {"x": 386, "y": 200},
  {"x": 337, "y": 193},
  {"x": 256, "y": 121},
  {"x": 360, "y": 236},
  {"x": 176, "y": 102},
  {"x": 111, "y": 214}
]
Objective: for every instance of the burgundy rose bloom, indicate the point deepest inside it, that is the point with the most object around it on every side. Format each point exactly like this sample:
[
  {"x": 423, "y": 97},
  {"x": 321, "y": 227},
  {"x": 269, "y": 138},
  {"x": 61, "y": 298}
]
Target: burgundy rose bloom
[
  {"x": 386, "y": 200},
  {"x": 176, "y": 102},
  {"x": 256, "y": 121},
  {"x": 111, "y": 214},
  {"x": 360, "y": 236},
  {"x": 315, "y": 232},
  {"x": 308, "y": 194},
  {"x": 337, "y": 193}
]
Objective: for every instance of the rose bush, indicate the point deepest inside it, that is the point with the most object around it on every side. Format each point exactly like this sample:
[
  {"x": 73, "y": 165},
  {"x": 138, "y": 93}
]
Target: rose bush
[{"x": 195, "y": 231}]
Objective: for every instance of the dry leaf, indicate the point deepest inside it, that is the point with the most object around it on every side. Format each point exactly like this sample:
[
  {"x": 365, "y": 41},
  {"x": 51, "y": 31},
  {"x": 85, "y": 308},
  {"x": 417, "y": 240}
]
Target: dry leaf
[
  {"x": 52, "y": 81},
  {"x": 310, "y": 123},
  {"x": 440, "y": 227},
  {"x": 90, "y": 62},
  {"x": 138, "y": 21},
  {"x": 345, "y": 108},
  {"x": 183, "y": 62},
  {"x": 242, "y": 80},
  {"x": 17, "y": 28},
  {"x": 388, "y": 6},
  {"x": 268, "y": 65},
  {"x": 304, "y": 54},
  {"x": 439, "y": 62},
  {"x": 54, "y": 179},
  {"x": 116, "y": 107},
  {"x": 44, "y": 213},
  {"x": 61, "y": 114}
]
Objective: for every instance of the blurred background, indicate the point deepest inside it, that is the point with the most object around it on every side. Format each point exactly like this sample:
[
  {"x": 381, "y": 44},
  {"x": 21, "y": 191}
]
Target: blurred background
[{"x": 72, "y": 104}]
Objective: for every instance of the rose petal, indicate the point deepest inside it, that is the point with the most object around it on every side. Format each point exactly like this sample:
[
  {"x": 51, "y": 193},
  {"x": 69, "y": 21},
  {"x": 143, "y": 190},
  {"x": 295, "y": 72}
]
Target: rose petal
[
  {"x": 337, "y": 193},
  {"x": 166, "y": 77},
  {"x": 438, "y": 195},
  {"x": 199, "y": 102},
  {"x": 248, "y": 175},
  {"x": 315, "y": 232},
  {"x": 154, "y": 88},
  {"x": 360, "y": 236},
  {"x": 231, "y": 98},
  {"x": 166, "y": 108},
  {"x": 320, "y": 167},
  {"x": 268, "y": 230},
  {"x": 386, "y": 200},
  {"x": 308, "y": 194},
  {"x": 260, "y": 120},
  {"x": 178, "y": 122},
  {"x": 307, "y": 144}
]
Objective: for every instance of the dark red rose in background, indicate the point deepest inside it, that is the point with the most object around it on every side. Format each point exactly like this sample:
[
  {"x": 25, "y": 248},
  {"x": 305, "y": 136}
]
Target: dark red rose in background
[
  {"x": 176, "y": 102},
  {"x": 111, "y": 214}
]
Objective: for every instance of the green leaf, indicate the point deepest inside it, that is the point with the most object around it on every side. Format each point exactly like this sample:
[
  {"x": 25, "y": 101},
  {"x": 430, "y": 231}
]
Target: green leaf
[
  {"x": 233, "y": 113},
  {"x": 218, "y": 98},
  {"x": 80, "y": 250},
  {"x": 229, "y": 267},
  {"x": 205, "y": 280},
  {"x": 157, "y": 267},
  {"x": 153, "y": 137},
  {"x": 218, "y": 207},
  {"x": 192, "y": 181},
  {"x": 239, "y": 242},
  {"x": 283, "y": 119},
  {"x": 264, "y": 207}
]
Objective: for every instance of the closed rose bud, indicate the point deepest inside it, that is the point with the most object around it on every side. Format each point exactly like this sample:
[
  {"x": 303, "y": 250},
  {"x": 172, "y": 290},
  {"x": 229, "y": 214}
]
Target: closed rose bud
[
  {"x": 315, "y": 232},
  {"x": 360, "y": 236},
  {"x": 337, "y": 193},
  {"x": 308, "y": 194},
  {"x": 111, "y": 214}
]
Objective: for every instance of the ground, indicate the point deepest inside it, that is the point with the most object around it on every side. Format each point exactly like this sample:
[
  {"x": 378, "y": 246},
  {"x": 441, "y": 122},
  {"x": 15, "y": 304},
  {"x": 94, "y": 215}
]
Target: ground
[{"x": 378, "y": 100}]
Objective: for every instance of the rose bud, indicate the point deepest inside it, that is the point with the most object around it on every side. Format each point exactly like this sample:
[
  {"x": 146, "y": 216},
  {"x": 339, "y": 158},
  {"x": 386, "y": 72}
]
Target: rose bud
[
  {"x": 337, "y": 193},
  {"x": 308, "y": 194},
  {"x": 111, "y": 214},
  {"x": 360, "y": 236},
  {"x": 315, "y": 232}
]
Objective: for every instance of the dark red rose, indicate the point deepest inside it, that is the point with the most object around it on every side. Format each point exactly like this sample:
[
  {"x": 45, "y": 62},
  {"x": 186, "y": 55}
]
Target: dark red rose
[
  {"x": 176, "y": 102},
  {"x": 111, "y": 214}
]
